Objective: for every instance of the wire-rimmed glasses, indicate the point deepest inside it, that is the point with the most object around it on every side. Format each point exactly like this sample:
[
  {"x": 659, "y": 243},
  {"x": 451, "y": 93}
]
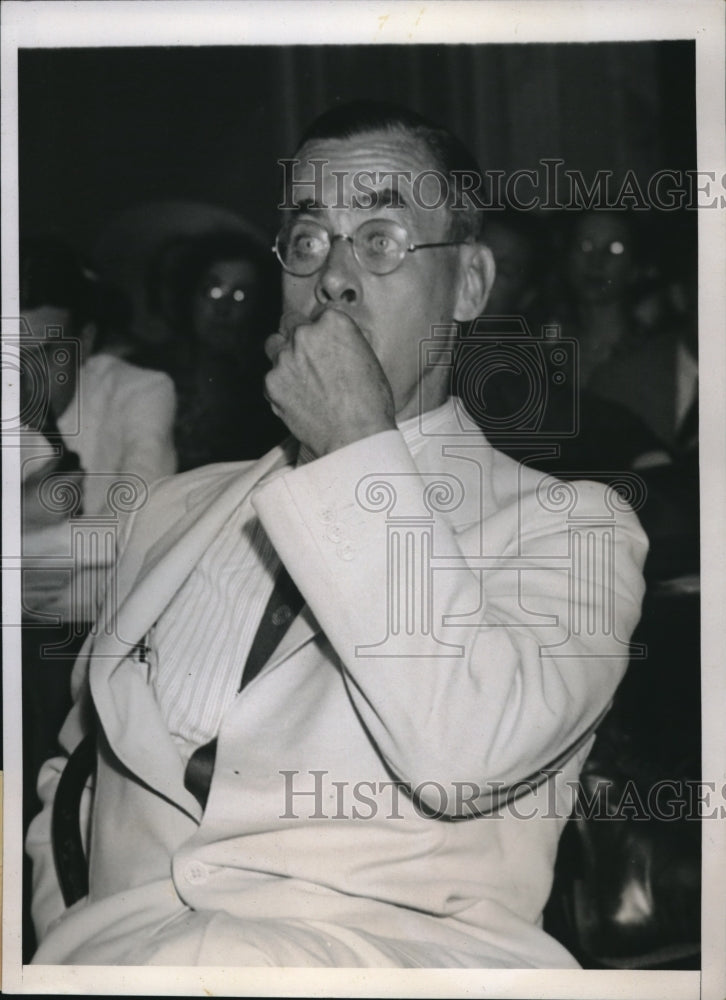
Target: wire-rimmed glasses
[{"x": 379, "y": 245}]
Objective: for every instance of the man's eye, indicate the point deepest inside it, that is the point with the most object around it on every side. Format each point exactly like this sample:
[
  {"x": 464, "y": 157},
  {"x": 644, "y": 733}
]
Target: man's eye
[
  {"x": 380, "y": 243},
  {"x": 306, "y": 244}
]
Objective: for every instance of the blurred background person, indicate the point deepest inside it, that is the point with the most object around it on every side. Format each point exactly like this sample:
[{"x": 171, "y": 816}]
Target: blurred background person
[
  {"x": 218, "y": 294},
  {"x": 656, "y": 377},
  {"x": 516, "y": 239},
  {"x": 543, "y": 413},
  {"x": 630, "y": 302},
  {"x": 600, "y": 277},
  {"x": 629, "y": 299},
  {"x": 91, "y": 423}
]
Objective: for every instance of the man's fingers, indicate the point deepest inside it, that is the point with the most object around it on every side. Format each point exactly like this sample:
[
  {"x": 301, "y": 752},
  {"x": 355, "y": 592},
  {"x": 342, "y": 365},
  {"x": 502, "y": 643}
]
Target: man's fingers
[
  {"x": 273, "y": 345},
  {"x": 290, "y": 320}
]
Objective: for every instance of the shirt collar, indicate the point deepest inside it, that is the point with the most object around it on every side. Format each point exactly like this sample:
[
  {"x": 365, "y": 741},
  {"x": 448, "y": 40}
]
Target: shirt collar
[{"x": 417, "y": 430}]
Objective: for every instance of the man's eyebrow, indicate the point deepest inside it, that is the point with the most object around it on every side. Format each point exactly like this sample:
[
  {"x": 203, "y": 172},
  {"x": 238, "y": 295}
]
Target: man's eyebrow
[
  {"x": 387, "y": 197},
  {"x": 365, "y": 197}
]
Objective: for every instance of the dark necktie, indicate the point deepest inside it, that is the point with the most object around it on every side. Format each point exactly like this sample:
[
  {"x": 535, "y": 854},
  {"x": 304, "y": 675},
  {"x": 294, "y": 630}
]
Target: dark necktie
[{"x": 284, "y": 604}]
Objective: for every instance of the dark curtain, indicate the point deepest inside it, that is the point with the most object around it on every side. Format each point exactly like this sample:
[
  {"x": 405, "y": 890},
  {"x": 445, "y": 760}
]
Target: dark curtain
[{"x": 105, "y": 129}]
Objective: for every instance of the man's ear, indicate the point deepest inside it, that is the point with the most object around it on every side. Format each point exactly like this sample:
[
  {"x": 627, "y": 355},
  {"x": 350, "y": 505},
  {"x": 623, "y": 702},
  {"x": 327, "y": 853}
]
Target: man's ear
[{"x": 476, "y": 278}]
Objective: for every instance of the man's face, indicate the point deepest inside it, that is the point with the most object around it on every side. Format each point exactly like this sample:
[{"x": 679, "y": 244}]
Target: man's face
[{"x": 396, "y": 311}]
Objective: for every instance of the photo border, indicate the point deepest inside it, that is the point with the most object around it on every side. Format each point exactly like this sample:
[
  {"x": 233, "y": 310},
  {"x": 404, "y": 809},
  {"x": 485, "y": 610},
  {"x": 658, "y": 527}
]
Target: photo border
[{"x": 287, "y": 22}]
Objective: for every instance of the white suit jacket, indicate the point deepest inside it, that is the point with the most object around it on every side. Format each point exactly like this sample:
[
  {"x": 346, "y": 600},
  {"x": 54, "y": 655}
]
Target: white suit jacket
[{"x": 456, "y": 638}]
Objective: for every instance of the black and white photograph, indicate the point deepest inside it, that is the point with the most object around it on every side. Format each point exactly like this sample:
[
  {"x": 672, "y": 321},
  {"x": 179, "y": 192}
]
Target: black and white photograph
[{"x": 364, "y": 487}]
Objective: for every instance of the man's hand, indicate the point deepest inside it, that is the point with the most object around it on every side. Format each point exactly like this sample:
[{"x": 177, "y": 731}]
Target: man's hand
[{"x": 326, "y": 383}]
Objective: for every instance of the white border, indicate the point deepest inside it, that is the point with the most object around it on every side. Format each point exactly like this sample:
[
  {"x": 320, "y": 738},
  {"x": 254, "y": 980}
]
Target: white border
[
  {"x": 289, "y": 22},
  {"x": 168, "y": 22}
]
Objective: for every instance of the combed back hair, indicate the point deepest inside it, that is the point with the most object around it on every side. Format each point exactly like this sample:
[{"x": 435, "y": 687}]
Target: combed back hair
[{"x": 448, "y": 154}]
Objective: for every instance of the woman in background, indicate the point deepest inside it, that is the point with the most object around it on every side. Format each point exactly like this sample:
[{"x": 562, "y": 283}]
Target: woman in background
[{"x": 219, "y": 296}]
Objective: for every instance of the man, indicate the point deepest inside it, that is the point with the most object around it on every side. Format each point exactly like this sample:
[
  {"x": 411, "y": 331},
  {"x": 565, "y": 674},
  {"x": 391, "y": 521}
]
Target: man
[{"x": 352, "y": 817}]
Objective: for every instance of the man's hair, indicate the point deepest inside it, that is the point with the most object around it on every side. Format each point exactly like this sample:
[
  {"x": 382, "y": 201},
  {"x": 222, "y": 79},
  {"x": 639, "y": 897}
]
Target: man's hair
[{"x": 448, "y": 153}]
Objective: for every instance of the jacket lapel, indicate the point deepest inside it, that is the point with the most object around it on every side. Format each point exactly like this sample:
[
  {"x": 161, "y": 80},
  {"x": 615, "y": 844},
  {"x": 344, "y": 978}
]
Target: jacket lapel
[
  {"x": 119, "y": 685},
  {"x": 168, "y": 562}
]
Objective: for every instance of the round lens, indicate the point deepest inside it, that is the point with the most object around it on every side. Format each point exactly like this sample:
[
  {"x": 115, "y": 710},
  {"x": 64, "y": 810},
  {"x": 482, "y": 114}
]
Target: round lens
[
  {"x": 303, "y": 247},
  {"x": 380, "y": 245}
]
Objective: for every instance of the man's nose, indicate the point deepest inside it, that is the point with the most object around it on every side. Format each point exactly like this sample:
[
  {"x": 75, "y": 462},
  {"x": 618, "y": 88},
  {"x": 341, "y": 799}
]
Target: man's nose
[{"x": 338, "y": 279}]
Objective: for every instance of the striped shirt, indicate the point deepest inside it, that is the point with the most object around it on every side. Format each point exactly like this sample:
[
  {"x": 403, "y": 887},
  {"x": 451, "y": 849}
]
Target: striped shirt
[{"x": 201, "y": 641}]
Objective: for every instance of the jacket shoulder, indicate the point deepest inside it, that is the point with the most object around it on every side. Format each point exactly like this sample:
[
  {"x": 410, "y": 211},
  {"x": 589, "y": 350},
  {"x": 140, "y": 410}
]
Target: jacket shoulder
[{"x": 123, "y": 376}]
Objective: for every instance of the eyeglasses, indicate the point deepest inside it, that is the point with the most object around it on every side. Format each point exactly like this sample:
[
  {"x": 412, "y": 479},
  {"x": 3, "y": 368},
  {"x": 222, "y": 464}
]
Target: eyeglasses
[{"x": 379, "y": 245}]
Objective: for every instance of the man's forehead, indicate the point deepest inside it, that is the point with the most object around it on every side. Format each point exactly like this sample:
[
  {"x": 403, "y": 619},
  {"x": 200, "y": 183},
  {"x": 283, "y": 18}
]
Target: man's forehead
[
  {"x": 394, "y": 156},
  {"x": 371, "y": 172}
]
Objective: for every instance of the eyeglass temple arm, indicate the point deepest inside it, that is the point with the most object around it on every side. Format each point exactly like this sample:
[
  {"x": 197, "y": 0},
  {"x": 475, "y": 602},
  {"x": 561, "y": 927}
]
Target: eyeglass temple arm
[{"x": 424, "y": 246}]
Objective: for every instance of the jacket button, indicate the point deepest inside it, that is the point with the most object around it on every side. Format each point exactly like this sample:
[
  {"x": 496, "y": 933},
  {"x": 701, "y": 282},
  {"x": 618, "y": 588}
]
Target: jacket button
[
  {"x": 195, "y": 873},
  {"x": 334, "y": 534},
  {"x": 326, "y": 515},
  {"x": 281, "y": 615}
]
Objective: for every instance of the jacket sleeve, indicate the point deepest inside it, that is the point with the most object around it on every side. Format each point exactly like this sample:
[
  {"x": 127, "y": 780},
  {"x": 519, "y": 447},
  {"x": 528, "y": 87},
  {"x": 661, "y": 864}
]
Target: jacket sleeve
[{"x": 503, "y": 669}]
